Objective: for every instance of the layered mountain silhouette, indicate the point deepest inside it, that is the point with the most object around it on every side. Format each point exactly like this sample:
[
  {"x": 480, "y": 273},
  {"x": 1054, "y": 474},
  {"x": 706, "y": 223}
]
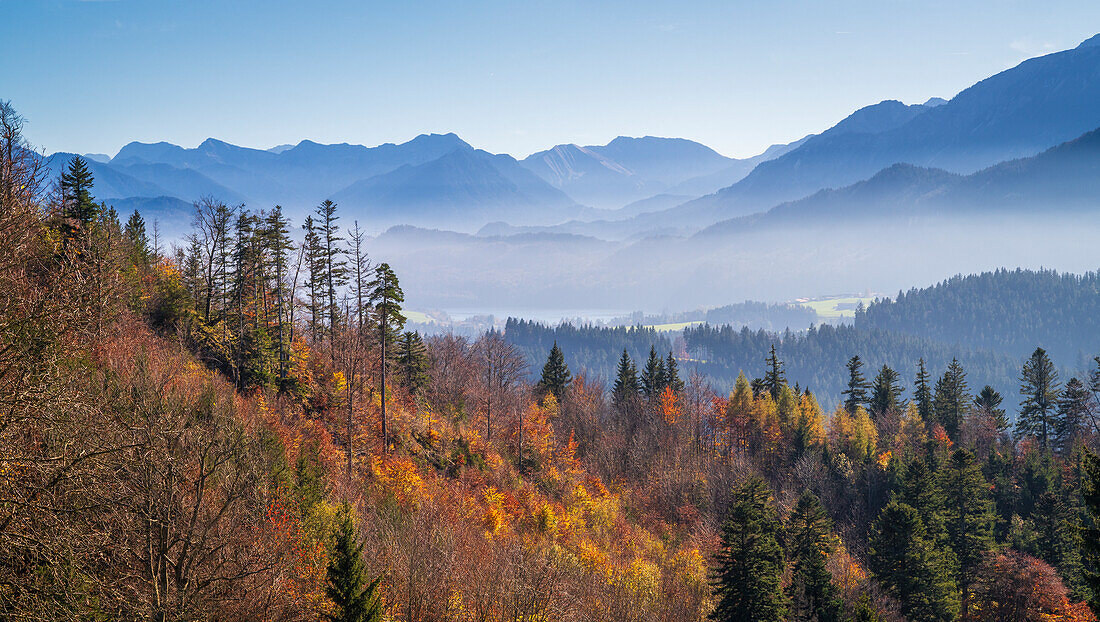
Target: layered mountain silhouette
[
  {"x": 460, "y": 191},
  {"x": 885, "y": 157},
  {"x": 1019, "y": 112},
  {"x": 1062, "y": 181}
]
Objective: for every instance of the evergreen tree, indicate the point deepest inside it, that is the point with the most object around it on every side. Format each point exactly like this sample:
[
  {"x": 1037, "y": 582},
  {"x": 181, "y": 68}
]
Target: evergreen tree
[
  {"x": 810, "y": 543},
  {"x": 1074, "y": 408},
  {"x": 315, "y": 278},
  {"x": 1090, "y": 537},
  {"x": 412, "y": 362},
  {"x": 334, "y": 270},
  {"x": 555, "y": 374},
  {"x": 748, "y": 575},
  {"x": 856, "y": 393},
  {"x": 653, "y": 375},
  {"x": 386, "y": 298},
  {"x": 920, "y": 490},
  {"x": 951, "y": 401},
  {"x": 76, "y": 194},
  {"x": 909, "y": 567},
  {"x": 672, "y": 373},
  {"x": 968, "y": 514},
  {"x": 990, "y": 400},
  {"x": 922, "y": 393},
  {"x": 774, "y": 378},
  {"x": 626, "y": 383},
  {"x": 352, "y": 601},
  {"x": 1039, "y": 386},
  {"x": 886, "y": 393},
  {"x": 135, "y": 236},
  {"x": 278, "y": 245}
]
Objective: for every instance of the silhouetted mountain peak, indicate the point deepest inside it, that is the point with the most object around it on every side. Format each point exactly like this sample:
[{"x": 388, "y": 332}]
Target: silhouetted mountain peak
[
  {"x": 1091, "y": 42},
  {"x": 880, "y": 117}
]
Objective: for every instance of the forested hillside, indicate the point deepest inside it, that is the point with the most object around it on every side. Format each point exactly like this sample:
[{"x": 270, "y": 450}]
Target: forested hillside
[
  {"x": 241, "y": 429},
  {"x": 1009, "y": 311}
]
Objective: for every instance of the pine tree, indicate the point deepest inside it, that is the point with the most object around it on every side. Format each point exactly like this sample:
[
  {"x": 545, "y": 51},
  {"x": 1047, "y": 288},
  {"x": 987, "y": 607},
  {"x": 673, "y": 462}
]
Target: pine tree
[
  {"x": 412, "y": 362},
  {"x": 76, "y": 193},
  {"x": 922, "y": 393},
  {"x": 909, "y": 567},
  {"x": 748, "y": 575},
  {"x": 951, "y": 401},
  {"x": 774, "y": 378},
  {"x": 672, "y": 374},
  {"x": 1039, "y": 386},
  {"x": 352, "y": 601},
  {"x": 626, "y": 383},
  {"x": 989, "y": 400},
  {"x": 856, "y": 393},
  {"x": 1074, "y": 408},
  {"x": 555, "y": 374},
  {"x": 386, "y": 298},
  {"x": 653, "y": 375},
  {"x": 810, "y": 543},
  {"x": 968, "y": 514},
  {"x": 886, "y": 393}
]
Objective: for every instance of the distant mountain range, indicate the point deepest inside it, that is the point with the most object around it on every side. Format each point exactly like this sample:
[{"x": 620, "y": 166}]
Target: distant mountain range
[
  {"x": 1062, "y": 181},
  {"x": 1019, "y": 112},
  {"x": 970, "y": 153}
]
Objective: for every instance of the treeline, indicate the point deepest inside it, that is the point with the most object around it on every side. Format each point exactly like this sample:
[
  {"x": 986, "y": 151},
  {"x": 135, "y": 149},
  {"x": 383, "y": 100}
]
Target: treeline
[
  {"x": 1005, "y": 311},
  {"x": 593, "y": 349},
  {"x": 818, "y": 355}
]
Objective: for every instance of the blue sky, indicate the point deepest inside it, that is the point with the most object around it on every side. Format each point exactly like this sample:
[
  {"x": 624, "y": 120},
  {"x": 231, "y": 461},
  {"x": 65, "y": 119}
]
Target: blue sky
[{"x": 512, "y": 77}]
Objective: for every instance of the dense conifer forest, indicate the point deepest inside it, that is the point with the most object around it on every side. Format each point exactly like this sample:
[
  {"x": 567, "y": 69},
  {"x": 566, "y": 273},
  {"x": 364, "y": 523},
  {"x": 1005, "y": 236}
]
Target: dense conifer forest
[{"x": 240, "y": 428}]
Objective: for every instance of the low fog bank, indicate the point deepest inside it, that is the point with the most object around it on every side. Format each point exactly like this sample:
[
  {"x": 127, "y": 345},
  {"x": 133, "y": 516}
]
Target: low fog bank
[{"x": 448, "y": 270}]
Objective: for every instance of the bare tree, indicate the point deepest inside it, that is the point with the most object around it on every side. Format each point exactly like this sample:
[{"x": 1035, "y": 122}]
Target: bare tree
[{"x": 501, "y": 368}]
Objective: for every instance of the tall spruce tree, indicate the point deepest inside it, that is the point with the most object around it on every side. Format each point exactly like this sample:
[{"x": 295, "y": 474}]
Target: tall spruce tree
[
  {"x": 672, "y": 373},
  {"x": 1074, "y": 410},
  {"x": 334, "y": 268},
  {"x": 137, "y": 239},
  {"x": 653, "y": 375},
  {"x": 856, "y": 393},
  {"x": 1090, "y": 536},
  {"x": 952, "y": 400},
  {"x": 920, "y": 489},
  {"x": 353, "y": 599},
  {"x": 886, "y": 393},
  {"x": 412, "y": 362},
  {"x": 1039, "y": 387},
  {"x": 626, "y": 386},
  {"x": 386, "y": 298},
  {"x": 775, "y": 378},
  {"x": 79, "y": 205},
  {"x": 968, "y": 517},
  {"x": 989, "y": 400},
  {"x": 315, "y": 278},
  {"x": 810, "y": 544},
  {"x": 910, "y": 568},
  {"x": 748, "y": 573},
  {"x": 922, "y": 393},
  {"x": 555, "y": 374},
  {"x": 278, "y": 245}
]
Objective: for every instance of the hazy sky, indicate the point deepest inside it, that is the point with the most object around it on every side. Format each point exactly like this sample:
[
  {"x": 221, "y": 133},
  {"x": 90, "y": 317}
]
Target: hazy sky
[{"x": 512, "y": 77}]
